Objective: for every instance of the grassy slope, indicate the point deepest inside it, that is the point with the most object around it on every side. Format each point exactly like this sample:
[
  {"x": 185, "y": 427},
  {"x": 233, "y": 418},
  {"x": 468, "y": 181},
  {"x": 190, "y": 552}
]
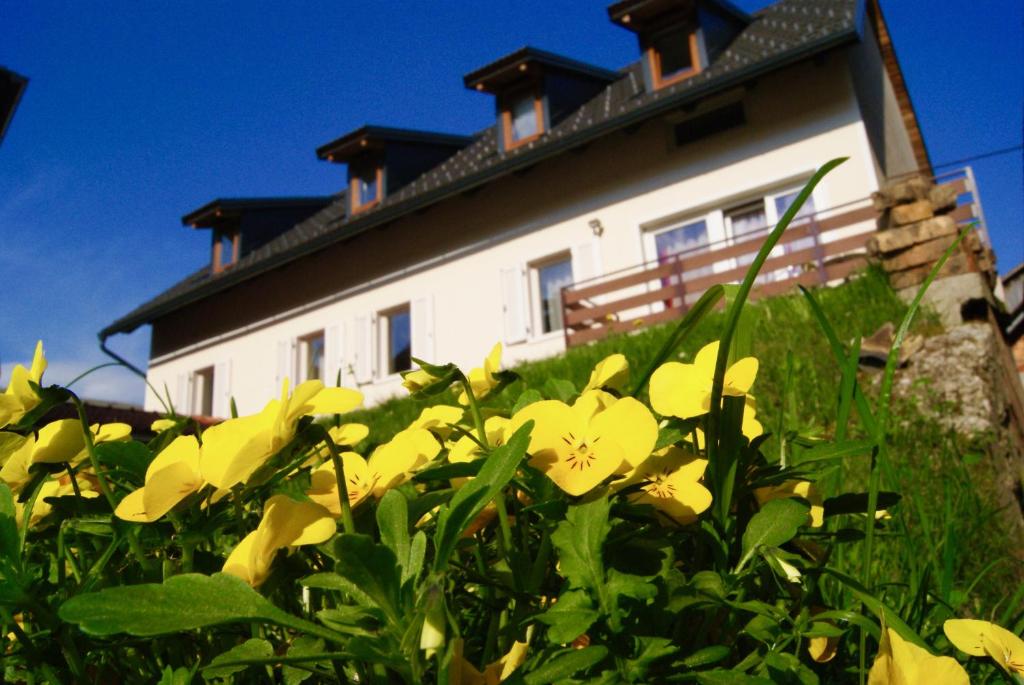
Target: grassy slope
[{"x": 943, "y": 505}]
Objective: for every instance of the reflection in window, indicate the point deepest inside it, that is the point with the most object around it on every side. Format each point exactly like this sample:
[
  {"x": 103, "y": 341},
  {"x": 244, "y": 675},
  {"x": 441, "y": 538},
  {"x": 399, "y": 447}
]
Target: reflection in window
[
  {"x": 312, "y": 357},
  {"x": 202, "y": 392},
  {"x": 674, "y": 56},
  {"x": 687, "y": 240},
  {"x": 746, "y": 221},
  {"x": 225, "y": 250},
  {"x": 523, "y": 113},
  {"x": 551, "y": 278},
  {"x": 399, "y": 348}
]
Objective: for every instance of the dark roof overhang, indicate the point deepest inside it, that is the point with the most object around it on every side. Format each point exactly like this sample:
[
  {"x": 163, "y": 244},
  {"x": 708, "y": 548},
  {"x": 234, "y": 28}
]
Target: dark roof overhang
[
  {"x": 528, "y": 62},
  {"x": 12, "y": 86},
  {"x": 377, "y": 137},
  {"x": 221, "y": 210},
  {"x": 640, "y": 15}
]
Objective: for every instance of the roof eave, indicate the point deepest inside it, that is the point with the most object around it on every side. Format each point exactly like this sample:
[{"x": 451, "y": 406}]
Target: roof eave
[{"x": 390, "y": 213}]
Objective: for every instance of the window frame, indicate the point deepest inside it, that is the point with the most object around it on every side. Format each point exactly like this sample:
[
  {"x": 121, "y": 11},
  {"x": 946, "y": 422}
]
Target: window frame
[
  {"x": 302, "y": 348},
  {"x": 536, "y": 298},
  {"x": 385, "y": 357},
  {"x": 355, "y": 196},
  {"x": 658, "y": 80},
  {"x": 218, "y": 251},
  {"x": 206, "y": 375},
  {"x": 506, "y": 115}
]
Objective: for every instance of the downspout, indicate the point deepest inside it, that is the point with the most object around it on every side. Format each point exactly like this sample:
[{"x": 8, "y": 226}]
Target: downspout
[{"x": 118, "y": 358}]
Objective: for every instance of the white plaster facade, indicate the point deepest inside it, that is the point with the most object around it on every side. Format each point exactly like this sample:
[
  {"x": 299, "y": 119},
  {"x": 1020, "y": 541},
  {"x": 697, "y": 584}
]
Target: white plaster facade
[{"x": 476, "y": 288}]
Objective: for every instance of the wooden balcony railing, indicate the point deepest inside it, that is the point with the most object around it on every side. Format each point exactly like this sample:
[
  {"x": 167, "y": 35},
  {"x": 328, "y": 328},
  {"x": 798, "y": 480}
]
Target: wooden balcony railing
[{"x": 817, "y": 249}]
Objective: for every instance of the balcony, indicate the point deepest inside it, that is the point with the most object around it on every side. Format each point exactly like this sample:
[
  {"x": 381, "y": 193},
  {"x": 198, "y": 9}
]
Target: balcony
[{"x": 818, "y": 249}]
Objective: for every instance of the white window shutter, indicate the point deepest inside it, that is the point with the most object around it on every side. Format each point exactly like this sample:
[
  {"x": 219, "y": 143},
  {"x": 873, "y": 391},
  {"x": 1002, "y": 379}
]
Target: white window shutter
[
  {"x": 181, "y": 400},
  {"x": 586, "y": 261},
  {"x": 332, "y": 355},
  {"x": 363, "y": 347},
  {"x": 514, "y": 305},
  {"x": 222, "y": 389},
  {"x": 423, "y": 329}
]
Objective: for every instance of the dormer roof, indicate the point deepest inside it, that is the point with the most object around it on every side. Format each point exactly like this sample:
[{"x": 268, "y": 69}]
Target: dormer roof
[
  {"x": 528, "y": 61},
  {"x": 370, "y": 137},
  {"x": 230, "y": 210},
  {"x": 644, "y": 15}
]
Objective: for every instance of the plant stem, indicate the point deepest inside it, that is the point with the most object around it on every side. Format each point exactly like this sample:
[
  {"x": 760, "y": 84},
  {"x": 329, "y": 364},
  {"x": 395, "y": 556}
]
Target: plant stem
[
  {"x": 347, "y": 521},
  {"x": 90, "y": 448}
]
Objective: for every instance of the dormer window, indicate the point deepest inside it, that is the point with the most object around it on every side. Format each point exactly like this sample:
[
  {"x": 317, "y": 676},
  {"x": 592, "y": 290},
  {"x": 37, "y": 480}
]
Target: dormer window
[
  {"x": 366, "y": 188},
  {"x": 225, "y": 249},
  {"x": 523, "y": 118},
  {"x": 673, "y": 56}
]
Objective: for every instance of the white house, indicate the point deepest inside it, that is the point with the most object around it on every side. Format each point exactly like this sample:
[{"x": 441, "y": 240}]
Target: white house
[{"x": 442, "y": 245}]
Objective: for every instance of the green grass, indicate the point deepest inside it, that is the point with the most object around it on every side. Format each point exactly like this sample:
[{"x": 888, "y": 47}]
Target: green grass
[{"x": 947, "y": 531}]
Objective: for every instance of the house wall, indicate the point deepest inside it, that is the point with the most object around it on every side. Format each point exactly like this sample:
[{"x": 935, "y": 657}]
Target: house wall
[
  {"x": 880, "y": 110},
  {"x": 451, "y": 261}
]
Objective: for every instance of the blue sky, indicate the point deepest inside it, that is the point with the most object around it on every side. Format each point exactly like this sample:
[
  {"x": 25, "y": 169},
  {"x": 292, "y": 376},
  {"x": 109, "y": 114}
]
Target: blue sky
[{"x": 137, "y": 113}]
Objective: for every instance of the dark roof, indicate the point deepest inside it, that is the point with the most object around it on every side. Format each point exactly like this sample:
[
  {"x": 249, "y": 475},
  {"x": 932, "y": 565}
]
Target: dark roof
[
  {"x": 780, "y": 35},
  {"x": 512, "y": 65},
  {"x": 634, "y": 15},
  {"x": 341, "y": 149},
  {"x": 238, "y": 205},
  {"x": 12, "y": 86}
]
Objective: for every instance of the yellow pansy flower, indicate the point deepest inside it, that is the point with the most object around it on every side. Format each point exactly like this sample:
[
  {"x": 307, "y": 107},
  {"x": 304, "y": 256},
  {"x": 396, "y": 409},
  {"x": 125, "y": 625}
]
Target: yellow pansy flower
[
  {"x": 981, "y": 638},
  {"x": 389, "y": 466},
  {"x": 19, "y": 398},
  {"x": 580, "y": 446},
  {"x": 481, "y": 379},
  {"x": 903, "y": 663},
  {"x": 345, "y": 435},
  {"x": 160, "y": 425},
  {"x": 285, "y": 523},
  {"x": 795, "y": 488},
  {"x": 172, "y": 476},
  {"x": 684, "y": 390},
  {"x": 234, "y": 449},
  {"x": 670, "y": 481},
  {"x": 57, "y": 487},
  {"x": 63, "y": 440},
  {"x": 438, "y": 419},
  {"x": 467, "y": 449},
  {"x": 15, "y": 470},
  {"x": 611, "y": 372},
  {"x": 461, "y": 672},
  {"x": 417, "y": 380}
]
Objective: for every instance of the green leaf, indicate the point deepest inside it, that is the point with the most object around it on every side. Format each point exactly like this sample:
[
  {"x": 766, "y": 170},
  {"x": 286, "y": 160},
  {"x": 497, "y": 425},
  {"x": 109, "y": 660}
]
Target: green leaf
[
  {"x": 393, "y": 523},
  {"x": 303, "y": 646},
  {"x": 628, "y": 585},
  {"x": 567, "y": 664},
  {"x": 560, "y": 389},
  {"x": 372, "y": 568},
  {"x": 498, "y": 469},
  {"x": 835, "y": 450},
  {"x": 526, "y": 398},
  {"x": 707, "y": 656},
  {"x": 128, "y": 455},
  {"x": 776, "y": 524},
  {"x": 10, "y": 545},
  {"x": 250, "y": 649},
  {"x": 578, "y": 540},
  {"x": 570, "y": 617},
  {"x": 417, "y": 553},
  {"x": 466, "y": 469},
  {"x": 723, "y": 677},
  {"x": 180, "y": 603},
  {"x": 886, "y": 614},
  {"x": 651, "y": 649},
  {"x": 179, "y": 676}
]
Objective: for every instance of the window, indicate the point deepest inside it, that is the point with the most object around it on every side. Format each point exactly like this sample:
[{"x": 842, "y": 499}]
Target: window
[
  {"x": 551, "y": 277},
  {"x": 311, "y": 357},
  {"x": 202, "y": 392},
  {"x": 225, "y": 249},
  {"x": 523, "y": 119},
  {"x": 396, "y": 335},
  {"x": 682, "y": 242},
  {"x": 741, "y": 223},
  {"x": 366, "y": 188},
  {"x": 673, "y": 56}
]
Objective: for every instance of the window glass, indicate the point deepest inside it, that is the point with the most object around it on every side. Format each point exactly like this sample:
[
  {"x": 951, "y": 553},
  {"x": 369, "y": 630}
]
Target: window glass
[
  {"x": 524, "y": 118},
  {"x": 551, "y": 278},
  {"x": 313, "y": 357},
  {"x": 782, "y": 203},
  {"x": 399, "y": 341},
  {"x": 687, "y": 240},
  {"x": 227, "y": 249},
  {"x": 747, "y": 219},
  {"x": 366, "y": 186},
  {"x": 202, "y": 392},
  {"x": 674, "y": 53}
]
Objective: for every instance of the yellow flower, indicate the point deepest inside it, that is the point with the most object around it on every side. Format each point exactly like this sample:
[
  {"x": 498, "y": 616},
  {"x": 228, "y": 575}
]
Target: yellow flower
[
  {"x": 389, "y": 466},
  {"x": 795, "y": 488},
  {"x": 58, "y": 487},
  {"x": 345, "y": 435},
  {"x": 171, "y": 477},
  {"x": 580, "y": 446},
  {"x": 482, "y": 380},
  {"x": 285, "y": 523},
  {"x": 670, "y": 481},
  {"x": 822, "y": 648},
  {"x": 64, "y": 441},
  {"x": 461, "y": 672},
  {"x": 467, "y": 449},
  {"x": 611, "y": 372},
  {"x": 160, "y": 425},
  {"x": 234, "y": 449},
  {"x": 417, "y": 380},
  {"x": 18, "y": 459},
  {"x": 981, "y": 638},
  {"x": 20, "y": 398},
  {"x": 438, "y": 419},
  {"x": 684, "y": 390},
  {"x": 750, "y": 427},
  {"x": 903, "y": 663}
]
